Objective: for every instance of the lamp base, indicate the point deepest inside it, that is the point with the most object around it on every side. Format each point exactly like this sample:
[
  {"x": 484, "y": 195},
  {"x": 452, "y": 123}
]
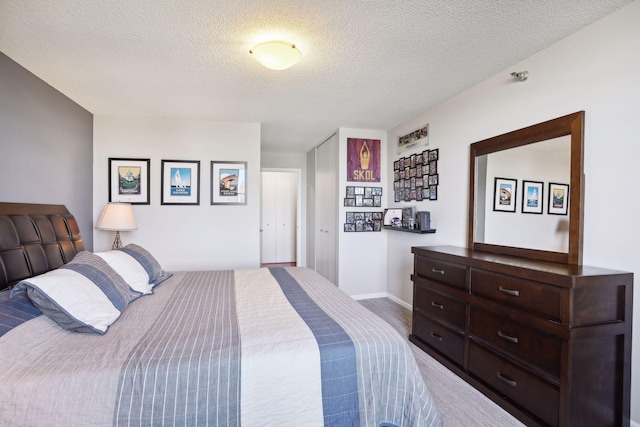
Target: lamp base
[{"x": 117, "y": 243}]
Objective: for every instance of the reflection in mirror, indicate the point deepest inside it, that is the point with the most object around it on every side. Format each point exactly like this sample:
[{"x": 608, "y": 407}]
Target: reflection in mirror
[
  {"x": 545, "y": 161},
  {"x": 542, "y": 156}
]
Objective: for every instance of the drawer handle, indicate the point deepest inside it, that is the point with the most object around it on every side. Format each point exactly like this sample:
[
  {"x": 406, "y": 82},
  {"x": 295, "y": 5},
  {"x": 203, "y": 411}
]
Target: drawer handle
[
  {"x": 437, "y": 271},
  {"x": 506, "y": 379},
  {"x": 507, "y": 337},
  {"x": 509, "y": 292},
  {"x": 436, "y": 336},
  {"x": 436, "y": 305}
]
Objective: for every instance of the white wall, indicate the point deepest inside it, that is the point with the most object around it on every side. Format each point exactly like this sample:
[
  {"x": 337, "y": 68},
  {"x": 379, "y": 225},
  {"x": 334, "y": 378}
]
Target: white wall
[
  {"x": 362, "y": 256},
  {"x": 183, "y": 237},
  {"x": 594, "y": 70},
  {"x": 535, "y": 231},
  {"x": 289, "y": 162}
]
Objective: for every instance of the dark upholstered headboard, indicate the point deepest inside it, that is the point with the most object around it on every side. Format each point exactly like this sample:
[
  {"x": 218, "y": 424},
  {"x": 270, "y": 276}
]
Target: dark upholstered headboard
[{"x": 34, "y": 239}]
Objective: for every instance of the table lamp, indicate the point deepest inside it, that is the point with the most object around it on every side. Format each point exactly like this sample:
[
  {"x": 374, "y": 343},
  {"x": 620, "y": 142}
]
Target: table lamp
[{"x": 117, "y": 217}]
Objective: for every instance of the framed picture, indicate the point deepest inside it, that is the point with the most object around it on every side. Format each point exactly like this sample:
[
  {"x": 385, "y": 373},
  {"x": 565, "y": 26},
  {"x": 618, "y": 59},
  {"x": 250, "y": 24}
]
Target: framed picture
[
  {"x": 180, "y": 182},
  {"x": 414, "y": 138},
  {"x": 129, "y": 181},
  {"x": 558, "y": 199},
  {"x": 504, "y": 195},
  {"x": 434, "y": 154},
  {"x": 228, "y": 183},
  {"x": 433, "y": 192},
  {"x": 532, "y": 197}
]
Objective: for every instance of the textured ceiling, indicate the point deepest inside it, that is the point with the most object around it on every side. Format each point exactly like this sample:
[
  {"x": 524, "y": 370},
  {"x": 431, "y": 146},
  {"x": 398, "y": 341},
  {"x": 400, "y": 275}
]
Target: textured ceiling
[{"x": 366, "y": 64}]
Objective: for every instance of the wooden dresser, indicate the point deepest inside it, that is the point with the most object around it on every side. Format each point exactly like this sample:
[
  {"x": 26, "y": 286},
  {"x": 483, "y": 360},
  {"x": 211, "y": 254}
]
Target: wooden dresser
[{"x": 550, "y": 343}]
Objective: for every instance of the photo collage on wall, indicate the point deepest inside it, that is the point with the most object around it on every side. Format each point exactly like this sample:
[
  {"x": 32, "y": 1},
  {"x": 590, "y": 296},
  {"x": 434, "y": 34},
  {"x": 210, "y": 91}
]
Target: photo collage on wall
[
  {"x": 416, "y": 177},
  {"x": 363, "y": 221},
  {"x": 367, "y": 197}
]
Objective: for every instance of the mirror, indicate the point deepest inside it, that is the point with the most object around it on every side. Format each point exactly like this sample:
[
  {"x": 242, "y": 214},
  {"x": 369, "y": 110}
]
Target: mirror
[{"x": 525, "y": 192}]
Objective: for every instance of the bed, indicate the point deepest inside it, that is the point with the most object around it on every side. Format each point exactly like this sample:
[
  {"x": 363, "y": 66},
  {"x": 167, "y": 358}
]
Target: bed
[{"x": 264, "y": 346}]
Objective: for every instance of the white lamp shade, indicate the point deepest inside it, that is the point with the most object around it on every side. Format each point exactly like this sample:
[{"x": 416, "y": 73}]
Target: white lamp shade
[
  {"x": 117, "y": 217},
  {"x": 276, "y": 55}
]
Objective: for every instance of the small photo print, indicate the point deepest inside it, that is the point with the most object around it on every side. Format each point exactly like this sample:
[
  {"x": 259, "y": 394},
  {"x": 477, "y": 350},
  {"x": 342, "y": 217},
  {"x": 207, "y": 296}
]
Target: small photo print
[
  {"x": 504, "y": 194},
  {"x": 129, "y": 180},
  {"x": 351, "y": 192},
  {"x": 433, "y": 192},
  {"x": 558, "y": 199},
  {"x": 181, "y": 182},
  {"x": 532, "y": 196},
  {"x": 433, "y": 167},
  {"x": 229, "y": 182}
]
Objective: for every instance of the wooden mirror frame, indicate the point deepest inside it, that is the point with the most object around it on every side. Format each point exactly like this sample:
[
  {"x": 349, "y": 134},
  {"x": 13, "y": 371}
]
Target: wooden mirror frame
[{"x": 573, "y": 125}]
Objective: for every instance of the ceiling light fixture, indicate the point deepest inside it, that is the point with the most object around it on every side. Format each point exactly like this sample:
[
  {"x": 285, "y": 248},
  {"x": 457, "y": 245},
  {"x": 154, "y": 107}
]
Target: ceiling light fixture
[{"x": 276, "y": 55}]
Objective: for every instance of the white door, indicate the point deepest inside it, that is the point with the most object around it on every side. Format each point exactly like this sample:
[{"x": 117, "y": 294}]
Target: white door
[
  {"x": 286, "y": 216},
  {"x": 268, "y": 226},
  {"x": 279, "y": 225}
]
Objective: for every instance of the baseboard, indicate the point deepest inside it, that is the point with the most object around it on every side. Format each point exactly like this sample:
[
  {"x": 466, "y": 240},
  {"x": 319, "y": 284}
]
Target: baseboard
[
  {"x": 385, "y": 295},
  {"x": 369, "y": 296},
  {"x": 399, "y": 301}
]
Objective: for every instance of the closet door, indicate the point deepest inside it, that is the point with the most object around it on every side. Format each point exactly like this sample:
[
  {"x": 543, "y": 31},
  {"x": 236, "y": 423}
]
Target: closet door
[
  {"x": 326, "y": 209},
  {"x": 268, "y": 226},
  {"x": 286, "y": 190},
  {"x": 278, "y": 227}
]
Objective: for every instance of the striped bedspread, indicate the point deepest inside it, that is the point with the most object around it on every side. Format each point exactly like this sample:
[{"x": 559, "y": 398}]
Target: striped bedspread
[{"x": 253, "y": 347}]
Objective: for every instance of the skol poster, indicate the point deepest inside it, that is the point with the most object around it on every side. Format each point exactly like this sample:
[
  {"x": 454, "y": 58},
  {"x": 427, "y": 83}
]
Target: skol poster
[{"x": 363, "y": 160}]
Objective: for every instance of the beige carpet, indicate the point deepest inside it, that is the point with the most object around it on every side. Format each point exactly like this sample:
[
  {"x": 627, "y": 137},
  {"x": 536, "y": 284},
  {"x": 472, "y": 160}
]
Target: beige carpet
[{"x": 458, "y": 402}]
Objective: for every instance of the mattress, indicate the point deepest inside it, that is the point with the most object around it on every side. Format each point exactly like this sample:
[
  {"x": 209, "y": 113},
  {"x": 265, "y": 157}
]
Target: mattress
[{"x": 279, "y": 346}]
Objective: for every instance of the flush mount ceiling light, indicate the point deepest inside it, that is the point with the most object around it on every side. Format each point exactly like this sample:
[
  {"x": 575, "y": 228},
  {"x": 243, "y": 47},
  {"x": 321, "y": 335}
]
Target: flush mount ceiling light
[{"x": 276, "y": 55}]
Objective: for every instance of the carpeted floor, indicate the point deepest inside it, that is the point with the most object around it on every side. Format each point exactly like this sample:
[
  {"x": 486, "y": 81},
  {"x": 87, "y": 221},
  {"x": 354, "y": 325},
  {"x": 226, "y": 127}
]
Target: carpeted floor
[{"x": 458, "y": 402}]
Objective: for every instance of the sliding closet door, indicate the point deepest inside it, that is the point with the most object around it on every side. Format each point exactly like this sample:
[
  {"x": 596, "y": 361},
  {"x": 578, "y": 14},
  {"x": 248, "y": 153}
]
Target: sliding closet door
[{"x": 326, "y": 181}]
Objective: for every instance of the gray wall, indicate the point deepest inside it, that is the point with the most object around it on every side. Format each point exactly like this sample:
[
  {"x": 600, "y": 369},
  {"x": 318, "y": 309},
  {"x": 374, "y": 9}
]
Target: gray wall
[{"x": 46, "y": 146}]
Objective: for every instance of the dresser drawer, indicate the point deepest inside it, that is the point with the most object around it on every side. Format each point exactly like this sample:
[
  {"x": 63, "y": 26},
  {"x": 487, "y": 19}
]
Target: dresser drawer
[
  {"x": 443, "y": 272},
  {"x": 534, "y": 297},
  {"x": 439, "y": 306},
  {"x": 439, "y": 337},
  {"x": 532, "y": 393},
  {"x": 529, "y": 345}
]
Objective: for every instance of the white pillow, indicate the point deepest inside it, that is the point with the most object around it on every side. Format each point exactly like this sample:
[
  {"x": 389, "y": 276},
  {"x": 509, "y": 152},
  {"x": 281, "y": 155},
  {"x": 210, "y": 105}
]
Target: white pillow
[
  {"x": 70, "y": 299},
  {"x": 130, "y": 269}
]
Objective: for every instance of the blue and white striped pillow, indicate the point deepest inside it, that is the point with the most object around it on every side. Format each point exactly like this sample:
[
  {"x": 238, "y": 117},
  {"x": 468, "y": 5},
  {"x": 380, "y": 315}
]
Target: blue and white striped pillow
[
  {"x": 137, "y": 267},
  {"x": 156, "y": 274},
  {"x": 85, "y": 295}
]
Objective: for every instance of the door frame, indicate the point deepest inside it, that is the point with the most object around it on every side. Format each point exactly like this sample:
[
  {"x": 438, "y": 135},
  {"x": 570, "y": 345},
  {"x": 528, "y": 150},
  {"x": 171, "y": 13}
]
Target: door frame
[{"x": 298, "y": 172}]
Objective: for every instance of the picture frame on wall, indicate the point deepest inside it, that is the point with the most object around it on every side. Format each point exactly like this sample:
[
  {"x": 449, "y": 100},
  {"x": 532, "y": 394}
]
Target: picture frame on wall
[
  {"x": 228, "y": 182},
  {"x": 129, "y": 181},
  {"x": 532, "y": 197},
  {"x": 180, "y": 182},
  {"x": 415, "y": 138},
  {"x": 558, "y": 199},
  {"x": 504, "y": 194}
]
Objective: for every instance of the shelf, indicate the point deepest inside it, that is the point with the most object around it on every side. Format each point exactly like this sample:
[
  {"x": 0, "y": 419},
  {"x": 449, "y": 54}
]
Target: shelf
[{"x": 410, "y": 230}]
